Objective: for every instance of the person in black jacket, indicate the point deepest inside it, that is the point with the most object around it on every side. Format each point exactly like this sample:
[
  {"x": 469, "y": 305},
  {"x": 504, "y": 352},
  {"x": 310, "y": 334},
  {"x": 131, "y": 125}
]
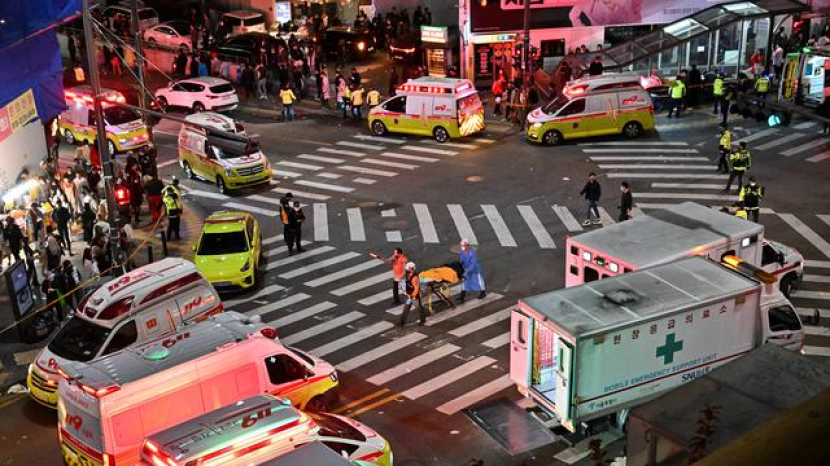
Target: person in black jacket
[
  {"x": 592, "y": 192},
  {"x": 626, "y": 201},
  {"x": 62, "y": 217},
  {"x": 14, "y": 236},
  {"x": 596, "y": 67},
  {"x": 296, "y": 217}
]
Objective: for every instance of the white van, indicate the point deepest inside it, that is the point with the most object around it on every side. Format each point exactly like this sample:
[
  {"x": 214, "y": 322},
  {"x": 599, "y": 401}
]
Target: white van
[
  {"x": 142, "y": 305},
  {"x": 229, "y": 161},
  {"x": 108, "y": 407}
]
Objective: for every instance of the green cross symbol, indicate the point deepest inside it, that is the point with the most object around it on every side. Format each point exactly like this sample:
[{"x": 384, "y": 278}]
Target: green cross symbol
[{"x": 667, "y": 351}]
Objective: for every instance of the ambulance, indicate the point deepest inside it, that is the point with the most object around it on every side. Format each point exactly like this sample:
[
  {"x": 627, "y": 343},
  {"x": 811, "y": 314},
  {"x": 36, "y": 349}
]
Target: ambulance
[
  {"x": 258, "y": 429},
  {"x": 142, "y": 305},
  {"x": 593, "y": 107},
  {"x": 663, "y": 236},
  {"x": 227, "y": 157},
  {"x": 107, "y": 408},
  {"x": 125, "y": 129},
  {"x": 443, "y": 108}
]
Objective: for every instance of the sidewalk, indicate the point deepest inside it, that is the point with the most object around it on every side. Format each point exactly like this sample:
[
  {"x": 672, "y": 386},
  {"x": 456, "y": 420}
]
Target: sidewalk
[{"x": 16, "y": 356}]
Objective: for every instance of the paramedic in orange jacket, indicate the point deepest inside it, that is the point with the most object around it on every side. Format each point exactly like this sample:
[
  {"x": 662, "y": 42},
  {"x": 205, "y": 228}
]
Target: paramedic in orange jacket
[
  {"x": 398, "y": 263},
  {"x": 413, "y": 293}
]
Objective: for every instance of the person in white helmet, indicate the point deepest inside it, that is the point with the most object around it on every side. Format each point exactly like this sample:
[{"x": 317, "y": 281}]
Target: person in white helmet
[
  {"x": 473, "y": 280},
  {"x": 412, "y": 287}
]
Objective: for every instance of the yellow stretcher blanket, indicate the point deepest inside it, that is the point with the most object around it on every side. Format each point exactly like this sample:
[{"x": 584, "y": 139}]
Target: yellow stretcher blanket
[{"x": 439, "y": 274}]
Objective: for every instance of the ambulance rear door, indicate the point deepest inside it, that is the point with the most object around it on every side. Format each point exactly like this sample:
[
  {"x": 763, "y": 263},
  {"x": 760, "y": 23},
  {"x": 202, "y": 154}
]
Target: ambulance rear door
[{"x": 521, "y": 330}]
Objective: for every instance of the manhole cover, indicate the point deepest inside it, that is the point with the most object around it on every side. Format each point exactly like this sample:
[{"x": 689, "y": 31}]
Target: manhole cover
[{"x": 511, "y": 426}]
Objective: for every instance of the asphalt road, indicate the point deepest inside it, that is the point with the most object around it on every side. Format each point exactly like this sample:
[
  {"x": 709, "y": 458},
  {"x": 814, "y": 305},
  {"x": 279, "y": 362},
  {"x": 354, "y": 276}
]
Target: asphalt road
[{"x": 515, "y": 201}]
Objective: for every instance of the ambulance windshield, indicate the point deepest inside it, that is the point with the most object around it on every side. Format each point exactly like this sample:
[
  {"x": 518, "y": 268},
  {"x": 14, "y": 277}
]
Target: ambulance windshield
[
  {"x": 79, "y": 340},
  {"x": 555, "y": 105},
  {"x": 119, "y": 115},
  {"x": 227, "y": 148}
]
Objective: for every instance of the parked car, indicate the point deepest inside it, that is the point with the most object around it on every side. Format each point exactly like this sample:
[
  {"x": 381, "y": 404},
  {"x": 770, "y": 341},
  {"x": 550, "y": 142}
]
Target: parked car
[
  {"x": 147, "y": 17},
  {"x": 406, "y": 48},
  {"x": 242, "y": 21},
  {"x": 174, "y": 35},
  {"x": 355, "y": 43},
  {"x": 199, "y": 94},
  {"x": 246, "y": 47}
]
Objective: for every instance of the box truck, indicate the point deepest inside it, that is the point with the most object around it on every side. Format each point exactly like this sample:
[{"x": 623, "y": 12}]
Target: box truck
[
  {"x": 663, "y": 236},
  {"x": 600, "y": 348}
]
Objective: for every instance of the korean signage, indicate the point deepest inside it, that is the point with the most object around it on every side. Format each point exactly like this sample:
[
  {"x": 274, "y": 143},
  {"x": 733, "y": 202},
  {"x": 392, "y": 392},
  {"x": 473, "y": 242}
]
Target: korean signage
[
  {"x": 519, "y": 4},
  {"x": 283, "y": 12},
  {"x": 17, "y": 113},
  {"x": 434, "y": 34}
]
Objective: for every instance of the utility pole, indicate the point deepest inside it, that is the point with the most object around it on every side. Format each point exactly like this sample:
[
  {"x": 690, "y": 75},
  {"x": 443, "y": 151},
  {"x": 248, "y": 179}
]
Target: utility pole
[
  {"x": 103, "y": 145},
  {"x": 139, "y": 60},
  {"x": 526, "y": 47}
]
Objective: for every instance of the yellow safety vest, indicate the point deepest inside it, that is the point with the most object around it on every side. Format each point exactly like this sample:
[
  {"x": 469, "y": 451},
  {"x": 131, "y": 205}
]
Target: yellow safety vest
[
  {"x": 357, "y": 97},
  {"x": 287, "y": 96},
  {"x": 284, "y": 215},
  {"x": 741, "y": 213},
  {"x": 741, "y": 160},
  {"x": 726, "y": 139},
  {"x": 170, "y": 204},
  {"x": 717, "y": 89},
  {"x": 762, "y": 85},
  {"x": 678, "y": 90},
  {"x": 374, "y": 97}
]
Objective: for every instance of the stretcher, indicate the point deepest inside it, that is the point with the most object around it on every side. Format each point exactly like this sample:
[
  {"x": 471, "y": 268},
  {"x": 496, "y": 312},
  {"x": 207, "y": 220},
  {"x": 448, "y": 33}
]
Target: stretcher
[{"x": 438, "y": 282}]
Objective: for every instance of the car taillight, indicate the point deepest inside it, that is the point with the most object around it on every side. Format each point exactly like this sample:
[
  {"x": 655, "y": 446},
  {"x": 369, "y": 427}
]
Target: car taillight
[
  {"x": 62, "y": 373},
  {"x": 100, "y": 392},
  {"x": 269, "y": 332}
]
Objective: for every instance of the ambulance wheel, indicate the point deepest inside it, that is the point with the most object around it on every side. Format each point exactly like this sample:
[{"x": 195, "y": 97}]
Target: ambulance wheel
[
  {"x": 441, "y": 134},
  {"x": 632, "y": 129},
  {"x": 378, "y": 128},
  {"x": 552, "y": 138},
  {"x": 68, "y": 136},
  {"x": 111, "y": 147},
  {"x": 318, "y": 404},
  {"x": 163, "y": 104},
  {"x": 220, "y": 183},
  {"x": 188, "y": 170},
  {"x": 198, "y": 107},
  {"x": 787, "y": 285}
]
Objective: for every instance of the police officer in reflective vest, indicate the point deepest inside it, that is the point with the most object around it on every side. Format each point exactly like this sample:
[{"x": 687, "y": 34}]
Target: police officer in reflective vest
[
  {"x": 751, "y": 195},
  {"x": 173, "y": 208},
  {"x": 717, "y": 92},
  {"x": 678, "y": 91},
  {"x": 761, "y": 89},
  {"x": 287, "y": 231},
  {"x": 724, "y": 147},
  {"x": 741, "y": 161}
]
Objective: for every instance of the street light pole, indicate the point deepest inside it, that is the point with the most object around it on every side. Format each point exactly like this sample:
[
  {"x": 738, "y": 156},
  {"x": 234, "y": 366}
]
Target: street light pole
[
  {"x": 139, "y": 60},
  {"x": 101, "y": 136},
  {"x": 526, "y": 47}
]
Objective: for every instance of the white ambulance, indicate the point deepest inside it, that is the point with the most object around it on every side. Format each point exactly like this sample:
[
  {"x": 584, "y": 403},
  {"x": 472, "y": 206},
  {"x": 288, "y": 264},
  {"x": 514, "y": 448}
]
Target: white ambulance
[
  {"x": 139, "y": 306},
  {"x": 124, "y": 127},
  {"x": 107, "y": 408}
]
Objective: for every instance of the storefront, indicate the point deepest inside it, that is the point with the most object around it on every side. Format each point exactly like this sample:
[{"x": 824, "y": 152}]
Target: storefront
[
  {"x": 440, "y": 49},
  {"x": 22, "y": 140}
]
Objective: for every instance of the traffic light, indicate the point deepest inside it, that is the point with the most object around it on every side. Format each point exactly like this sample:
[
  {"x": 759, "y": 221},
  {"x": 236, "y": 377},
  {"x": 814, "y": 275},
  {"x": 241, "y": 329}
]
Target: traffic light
[{"x": 122, "y": 195}]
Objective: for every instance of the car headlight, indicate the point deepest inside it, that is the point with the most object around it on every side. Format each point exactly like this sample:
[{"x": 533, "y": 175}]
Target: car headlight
[
  {"x": 229, "y": 172},
  {"x": 122, "y": 140},
  {"x": 536, "y": 125},
  {"x": 31, "y": 368},
  {"x": 361, "y": 46},
  {"x": 246, "y": 266}
]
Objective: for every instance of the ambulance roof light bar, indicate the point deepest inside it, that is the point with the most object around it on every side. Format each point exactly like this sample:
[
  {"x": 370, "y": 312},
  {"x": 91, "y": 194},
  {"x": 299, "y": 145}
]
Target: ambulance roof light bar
[
  {"x": 424, "y": 89},
  {"x": 747, "y": 269}
]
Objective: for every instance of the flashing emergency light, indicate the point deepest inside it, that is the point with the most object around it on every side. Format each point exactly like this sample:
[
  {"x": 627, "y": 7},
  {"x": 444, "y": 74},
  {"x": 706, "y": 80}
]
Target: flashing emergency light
[
  {"x": 122, "y": 196},
  {"x": 774, "y": 120}
]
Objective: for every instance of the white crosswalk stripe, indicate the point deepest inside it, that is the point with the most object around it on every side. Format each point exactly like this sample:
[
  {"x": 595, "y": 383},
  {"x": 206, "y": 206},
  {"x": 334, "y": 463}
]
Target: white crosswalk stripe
[
  {"x": 375, "y": 298},
  {"x": 497, "y": 342},
  {"x": 271, "y": 240},
  {"x": 367, "y": 171},
  {"x": 303, "y": 166},
  {"x": 701, "y": 186},
  {"x": 330, "y": 176},
  {"x": 252, "y": 209},
  {"x": 264, "y": 199},
  {"x": 277, "y": 305},
  {"x": 462, "y": 224},
  {"x": 805, "y": 125},
  {"x": 424, "y": 217},
  {"x": 820, "y": 157},
  {"x": 414, "y": 158},
  {"x": 394, "y": 236},
  {"x": 271, "y": 252},
  {"x": 640, "y": 151},
  {"x": 381, "y": 351},
  {"x": 360, "y": 145},
  {"x": 637, "y": 158},
  {"x": 780, "y": 141},
  {"x": 804, "y": 147},
  {"x": 666, "y": 176},
  {"x": 344, "y": 273},
  {"x": 299, "y": 257},
  {"x": 695, "y": 196},
  {"x": 499, "y": 226},
  {"x": 477, "y": 394},
  {"x": 324, "y": 186},
  {"x": 301, "y": 315},
  {"x": 351, "y": 153},
  {"x": 760, "y": 135},
  {"x": 320, "y": 158},
  {"x": 536, "y": 227},
  {"x": 351, "y": 339},
  {"x": 268, "y": 290},
  {"x": 366, "y": 181},
  {"x": 412, "y": 364},
  {"x": 363, "y": 284},
  {"x": 820, "y": 243},
  {"x": 606, "y": 218},
  {"x": 301, "y": 194},
  {"x": 321, "y": 328},
  {"x": 634, "y": 143},
  {"x": 654, "y": 166},
  {"x": 356, "y": 230},
  {"x": 567, "y": 218},
  {"x": 285, "y": 173},
  {"x": 448, "y": 377},
  {"x": 430, "y": 150},
  {"x": 455, "y": 145},
  {"x": 321, "y": 222},
  {"x": 481, "y": 323},
  {"x": 319, "y": 265},
  {"x": 207, "y": 194},
  {"x": 386, "y": 163},
  {"x": 380, "y": 139},
  {"x": 462, "y": 309}
]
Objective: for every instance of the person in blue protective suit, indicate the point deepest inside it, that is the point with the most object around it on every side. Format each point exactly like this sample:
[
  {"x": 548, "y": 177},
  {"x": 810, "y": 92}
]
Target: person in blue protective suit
[{"x": 473, "y": 280}]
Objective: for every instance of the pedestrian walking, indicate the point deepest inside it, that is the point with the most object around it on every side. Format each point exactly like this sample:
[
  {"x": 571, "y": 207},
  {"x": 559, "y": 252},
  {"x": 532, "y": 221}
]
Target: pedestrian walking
[
  {"x": 287, "y": 98},
  {"x": 626, "y": 201},
  {"x": 412, "y": 288},
  {"x": 173, "y": 209},
  {"x": 398, "y": 262},
  {"x": 498, "y": 95},
  {"x": 750, "y": 196},
  {"x": 724, "y": 149},
  {"x": 262, "y": 92},
  {"x": 473, "y": 278},
  {"x": 296, "y": 217},
  {"x": 741, "y": 161},
  {"x": 592, "y": 191},
  {"x": 677, "y": 92}
]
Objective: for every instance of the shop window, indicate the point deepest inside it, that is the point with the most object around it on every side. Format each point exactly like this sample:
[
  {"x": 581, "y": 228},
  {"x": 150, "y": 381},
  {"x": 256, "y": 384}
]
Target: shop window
[{"x": 553, "y": 48}]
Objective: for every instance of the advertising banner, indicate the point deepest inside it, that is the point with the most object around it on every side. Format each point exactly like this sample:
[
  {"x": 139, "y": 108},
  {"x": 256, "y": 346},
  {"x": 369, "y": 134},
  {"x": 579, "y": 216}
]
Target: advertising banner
[{"x": 17, "y": 113}]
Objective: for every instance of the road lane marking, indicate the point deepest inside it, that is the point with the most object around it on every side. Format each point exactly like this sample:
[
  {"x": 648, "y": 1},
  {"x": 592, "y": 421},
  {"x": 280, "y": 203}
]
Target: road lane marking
[
  {"x": 424, "y": 217},
  {"x": 350, "y": 153},
  {"x": 394, "y": 236},
  {"x": 299, "y": 257},
  {"x": 375, "y": 298},
  {"x": 818, "y": 158},
  {"x": 384, "y": 350},
  {"x": 320, "y": 158},
  {"x": 805, "y": 125},
  {"x": 352, "y": 338},
  {"x": 668, "y": 176},
  {"x": 606, "y": 218},
  {"x": 330, "y": 176},
  {"x": 804, "y": 147},
  {"x": 807, "y": 232},
  {"x": 271, "y": 240},
  {"x": 759, "y": 135},
  {"x": 780, "y": 141},
  {"x": 497, "y": 342},
  {"x": 340, "y": 274},
  {"x": 452, "y": 375},
  {"x": 641, "y": 151},
  {"x": 819, "y": 295},
  {"x": 388, "y": 213},
  {"x": 207, "y": 194},
  {"x": 252, "y": 209},
  {"x": 404, "y": 166},
  {"x": 277, "y": 305},
  {"x": 506, "y": 238},
  {"x": 367, "y": 171},
  {"x": 468, "y": 306},
  {"x": 634, "y": 143},
  {"x": 456, "y": 145},
  {"x": 462, "y": 224},
  {"x": 312, "y": 196},
  {"x": 319, "y": 265},
  {"x": 167, "y": 163},
  {"x": 397, "y": 309},
  {"x": 380, "y": 139},
  {"x": 567, "y": 218},
  {"x": 285, "y": 173},
  {"x": 430, "y": 150},
  {"x": 474, "y": 396},
  {"x": 264, "y": 199},
  {"x": 365, "y": 283},
  {"x": 637, "y": 158},
  {"x": 360, "y": 401},
  {"x": 303, "y": 166},
  {"x": 654, "y": 166},
  {"x": 324, "y": 186},
  {"x": 823, "y": 351},
  {"x": 259, "y": 294},
  {"x": 698, "y": 196},
  {"x": 687, "y": 186},
  {"x": 321, "y": 222},
  {"x": 360, "y": 145},
  {"x": 412, "y": 364},
  {"x": 365, "y": 181},
  {"x": 302, "y": 315},
  {"x": 282, "y": 250},
  {"x": 321, "y": 328},
  {"x": 817, "y": 264},
  {"x": 414, "y": 158},
  {"x": 536, "y": 227},
  {"x": 356, "y": 230},
  {"x": 481, "y": 323},
  {"x": 374, "y": 405}
]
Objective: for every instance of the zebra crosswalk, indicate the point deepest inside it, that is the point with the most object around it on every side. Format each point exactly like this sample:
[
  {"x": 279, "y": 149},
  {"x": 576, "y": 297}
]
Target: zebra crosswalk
[{"x": 805, "y": 141}]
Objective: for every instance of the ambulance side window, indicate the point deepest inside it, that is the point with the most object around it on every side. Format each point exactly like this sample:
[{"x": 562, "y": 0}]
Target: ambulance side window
[
  {"x": 573, "y": 108},
  {"x": 783, "y": 318},
  {"x": 90, "y": 118},
  {"x": 124, "y": 337},
  {"x": 282, "y": 368},
  {"x": 397, "y": 105}
]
